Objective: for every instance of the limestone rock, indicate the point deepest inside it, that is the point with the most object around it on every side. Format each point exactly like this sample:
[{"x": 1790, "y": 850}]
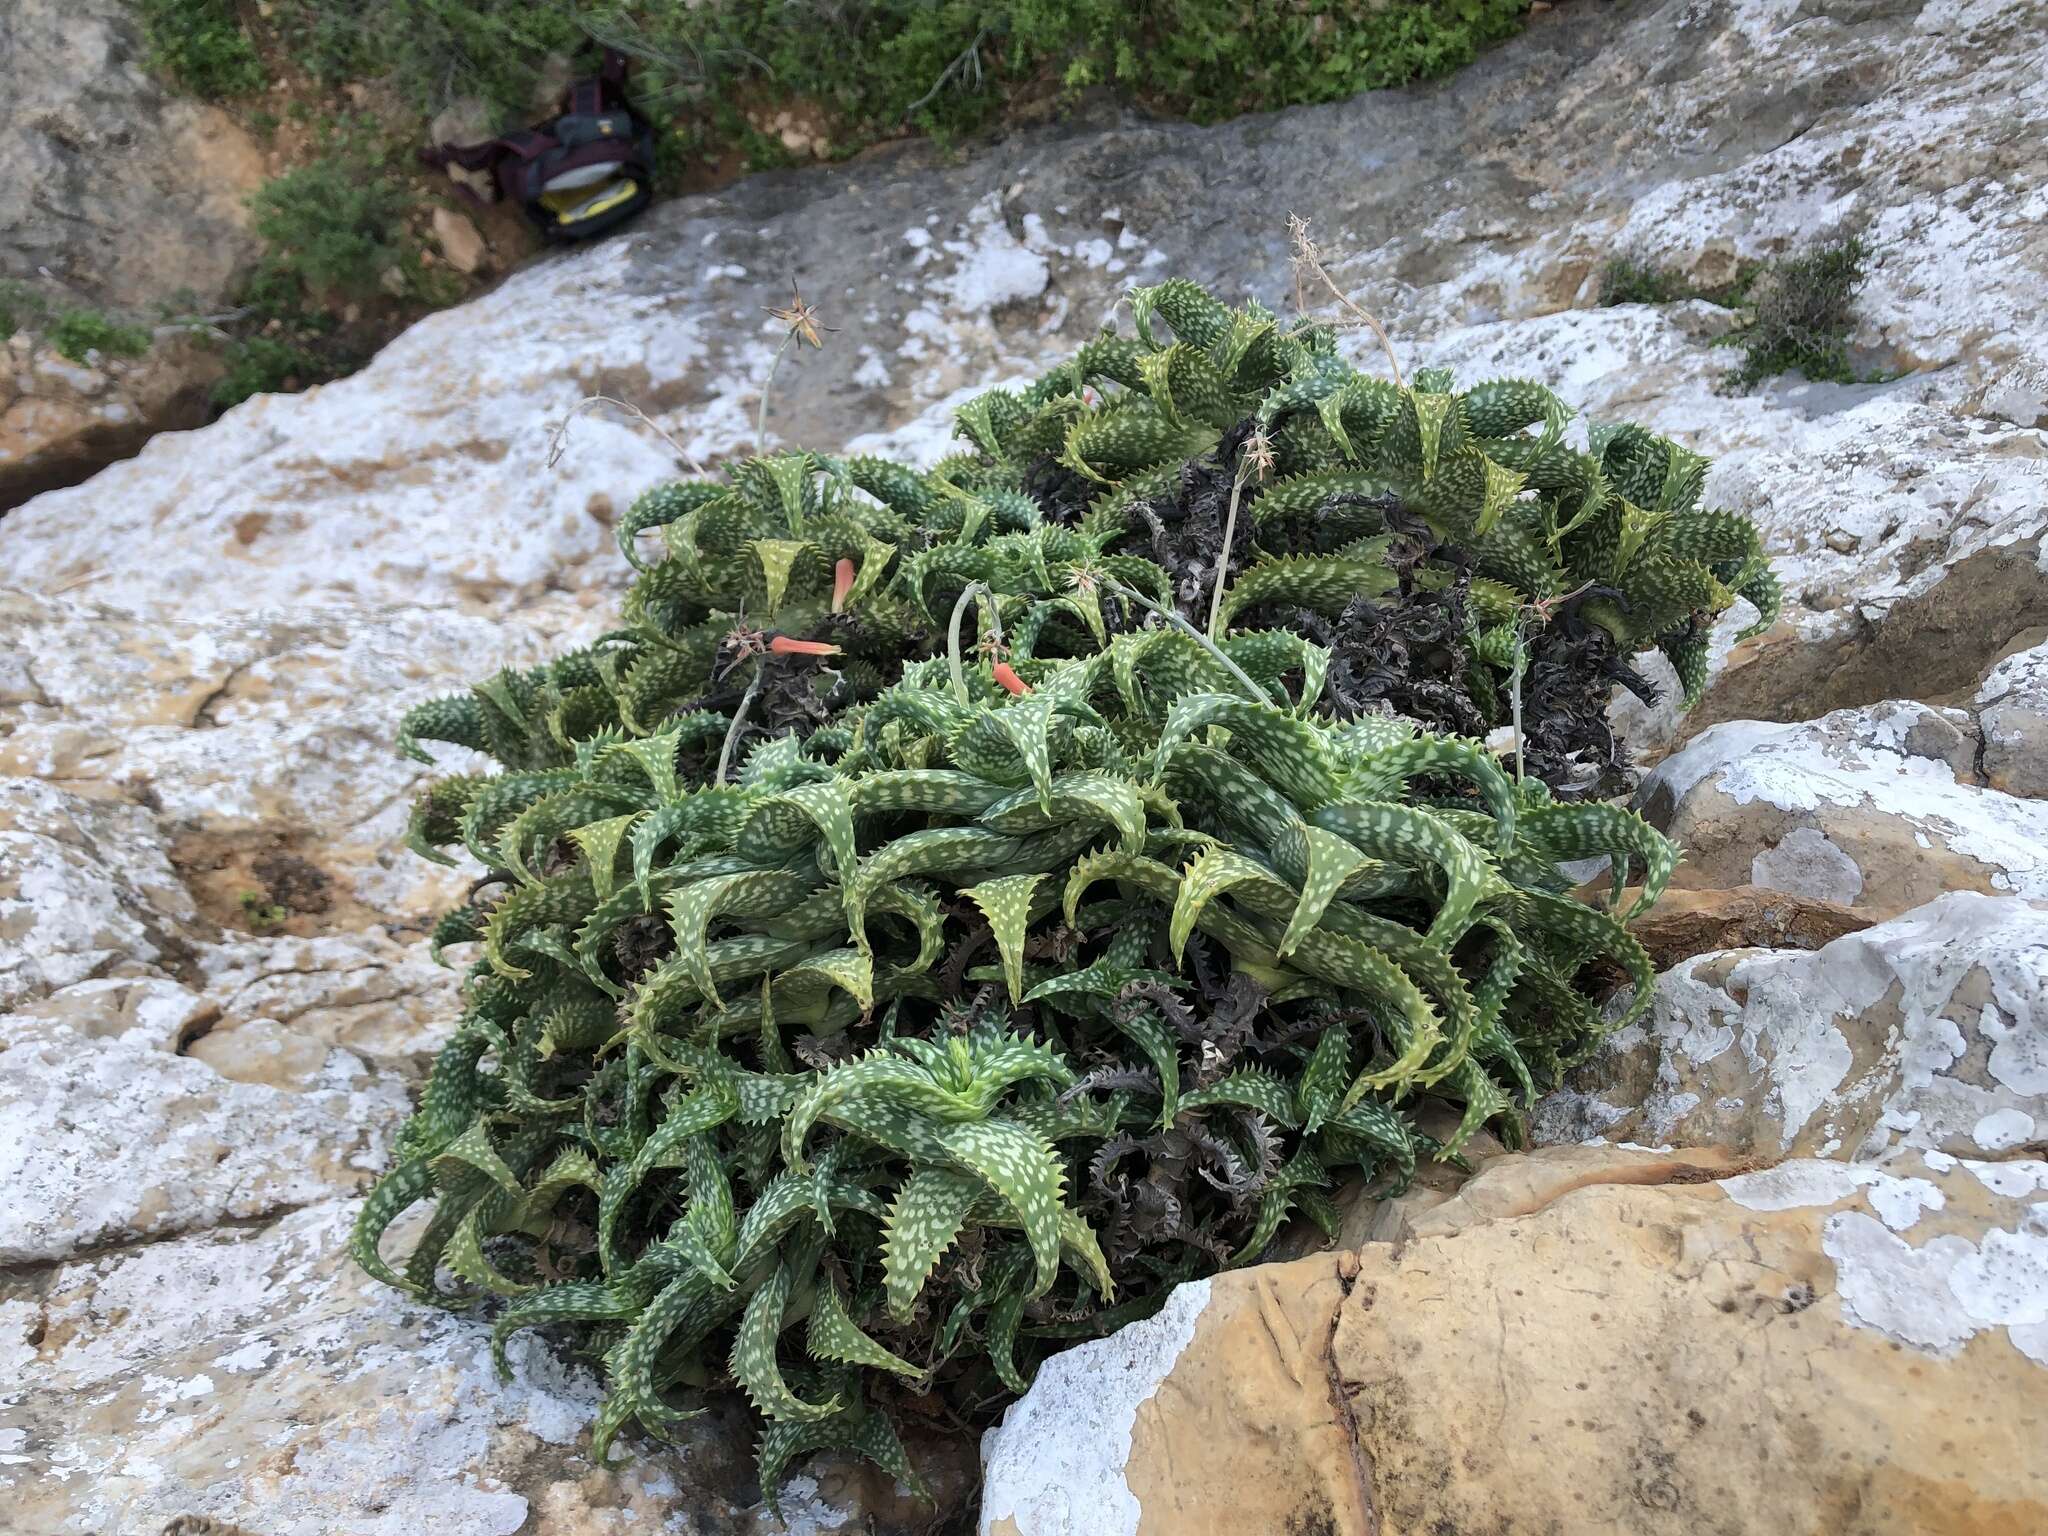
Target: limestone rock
[
  {"x": 2012, "y": 712},
  {"x": 106, "y": 1137},
  {"x": 2019, "y": 395},
  {"x": 149, "y": 1012},
  {"x": 114, "y": 195},
  {"x": 123, "y": 192},
  {"x": 256, "y": 735},
  {"x": 460, "y": 241},
  {"x": 364, "y": 991},
  {"x": 253, "y": 1376},
  {"x": 1811, "y": 1348},
  {"x": 1686, "y": 922},
  {"x": 59, "y": 421},
  {"x": 1948, "y": 513},
  {"x": 1876, "y": 809},
  {"x": 1928, "y": 1031},
  {"x": 466, "y": 120},
  {"x": 85, "y": 889}
]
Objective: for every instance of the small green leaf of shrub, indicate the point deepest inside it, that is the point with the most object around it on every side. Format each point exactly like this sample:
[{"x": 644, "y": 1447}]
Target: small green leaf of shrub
[{"x": 263, "y": 915}]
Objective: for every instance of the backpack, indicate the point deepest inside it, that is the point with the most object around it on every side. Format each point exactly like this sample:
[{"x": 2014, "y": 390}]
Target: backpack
[{"x": 586, "y": 170}]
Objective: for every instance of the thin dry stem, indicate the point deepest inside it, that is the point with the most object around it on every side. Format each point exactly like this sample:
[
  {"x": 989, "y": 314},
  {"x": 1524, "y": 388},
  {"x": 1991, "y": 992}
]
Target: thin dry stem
[
  {"x": 739, "y": 722},
  {"x": 558, "y": 439},
  {"x": 1132, "y": 595},
  {"x": 1308, "y": 260},
  {"x": 767, "y": 384},
  {"x": 72, "y": 584},
  {"x": 1254, "y": 462},
  {"x": 1223, "y": 560}
]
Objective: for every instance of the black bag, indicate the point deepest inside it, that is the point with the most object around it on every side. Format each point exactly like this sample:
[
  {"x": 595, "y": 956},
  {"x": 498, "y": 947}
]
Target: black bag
[{"x": 584, "y": 171}]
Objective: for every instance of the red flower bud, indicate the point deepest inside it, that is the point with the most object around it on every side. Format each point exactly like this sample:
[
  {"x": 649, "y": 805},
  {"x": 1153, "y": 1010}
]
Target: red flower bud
[
  {"x": 782, "y": 645},
  {"x": 842, "y": 583},
  {"x": 1007, "y": 676}
]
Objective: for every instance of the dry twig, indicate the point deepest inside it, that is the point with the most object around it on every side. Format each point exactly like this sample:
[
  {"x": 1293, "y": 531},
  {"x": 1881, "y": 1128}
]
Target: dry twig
[
  {"x": 1308, "y": 261},
  {"x": 558, "y": 439}
]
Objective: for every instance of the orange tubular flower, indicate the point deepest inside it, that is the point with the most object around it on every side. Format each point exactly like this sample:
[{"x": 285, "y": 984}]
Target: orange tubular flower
[
  {"x": 1007, "y": 676},
  {"x": 842, "y": 583},
  {"x": 783, "y": 645}
]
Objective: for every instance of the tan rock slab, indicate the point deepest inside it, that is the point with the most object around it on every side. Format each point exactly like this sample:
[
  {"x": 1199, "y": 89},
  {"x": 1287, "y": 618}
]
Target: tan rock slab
[{"x": 1586, "y": 1340}]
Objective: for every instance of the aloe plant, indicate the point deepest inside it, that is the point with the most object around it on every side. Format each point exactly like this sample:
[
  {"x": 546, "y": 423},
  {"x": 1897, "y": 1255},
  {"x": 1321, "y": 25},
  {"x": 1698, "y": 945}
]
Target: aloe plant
[
  {"x": 973, "y": 1021},
  {"x": 938, "y": 920},
  {"x": 1399, "y": 522},
  {"x": 1443, "y": 548}
]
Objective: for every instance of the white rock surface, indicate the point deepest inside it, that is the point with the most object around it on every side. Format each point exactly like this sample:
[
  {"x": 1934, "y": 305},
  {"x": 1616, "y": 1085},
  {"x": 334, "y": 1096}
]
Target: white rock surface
[
  {"x": 1583, "y": 1339},
  {"x": 242, "y": 732},
  {"x": 2012, "y": 712},
  {"x": 85, "y": 887},
  {"x": 107, "y": 1138},
  {"x": 1927, "y": 1032},
  {"x": 1879, "y": 808},
  {"x": 199, "y": 1376},
  {"x": 1079, "y": 1421}
]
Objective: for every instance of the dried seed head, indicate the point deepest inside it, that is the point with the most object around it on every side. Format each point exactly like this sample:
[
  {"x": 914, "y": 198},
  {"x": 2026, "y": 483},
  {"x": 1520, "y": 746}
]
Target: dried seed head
[
  {"x": 801, "y": 319},
  {"x": 1258, "y": 454}
]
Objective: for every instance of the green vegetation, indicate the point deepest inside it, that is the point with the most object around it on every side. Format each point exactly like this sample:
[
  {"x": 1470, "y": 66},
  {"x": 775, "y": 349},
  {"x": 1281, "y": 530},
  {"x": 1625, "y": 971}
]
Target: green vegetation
[
  {"x": 1803, "y": 312},
  {"x": 201, "y": 46},
  {"x": 935, "y": 922},
  {"x": 262, "y": 914},
  {"x": 1802, "y": 308},
  {"x": 335, "y": 230},
  {"x": 332, "y": 227},
  {"x": 263, "y": 365},
  {"x": 1627, "y": 280},
  {"x": 20, "y": 307},
  {"x": 77, "y": 332},
  {"x": 876, "y": 68}
]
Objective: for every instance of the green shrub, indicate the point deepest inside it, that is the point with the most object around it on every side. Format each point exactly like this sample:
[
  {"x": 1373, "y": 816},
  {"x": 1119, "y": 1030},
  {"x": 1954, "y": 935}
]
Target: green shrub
[
  {"x": 1804, "y": 307},
  {"x": 1627, "y": 280},
  {"x": 1630, "y": 280},
  {"x": 20, "y": 306},
  {"x": 335, "y": 226},
  {"x": 77, "y": 332},
  {"x": 943, "y": 66},
  {"x": 1043, "y": 951},
  {"x": 264, "y": 365},
  {"x": 201, "y": 46}
]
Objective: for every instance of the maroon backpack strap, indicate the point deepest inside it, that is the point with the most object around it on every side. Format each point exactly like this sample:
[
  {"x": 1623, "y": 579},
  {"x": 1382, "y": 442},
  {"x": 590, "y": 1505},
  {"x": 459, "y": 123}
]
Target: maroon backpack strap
[
  {"x": 597, "y": 93},
  {"x": 471, "y": 157},
  {"x": 501, "y": 156},
  {"x": 525, "y": 144}
]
